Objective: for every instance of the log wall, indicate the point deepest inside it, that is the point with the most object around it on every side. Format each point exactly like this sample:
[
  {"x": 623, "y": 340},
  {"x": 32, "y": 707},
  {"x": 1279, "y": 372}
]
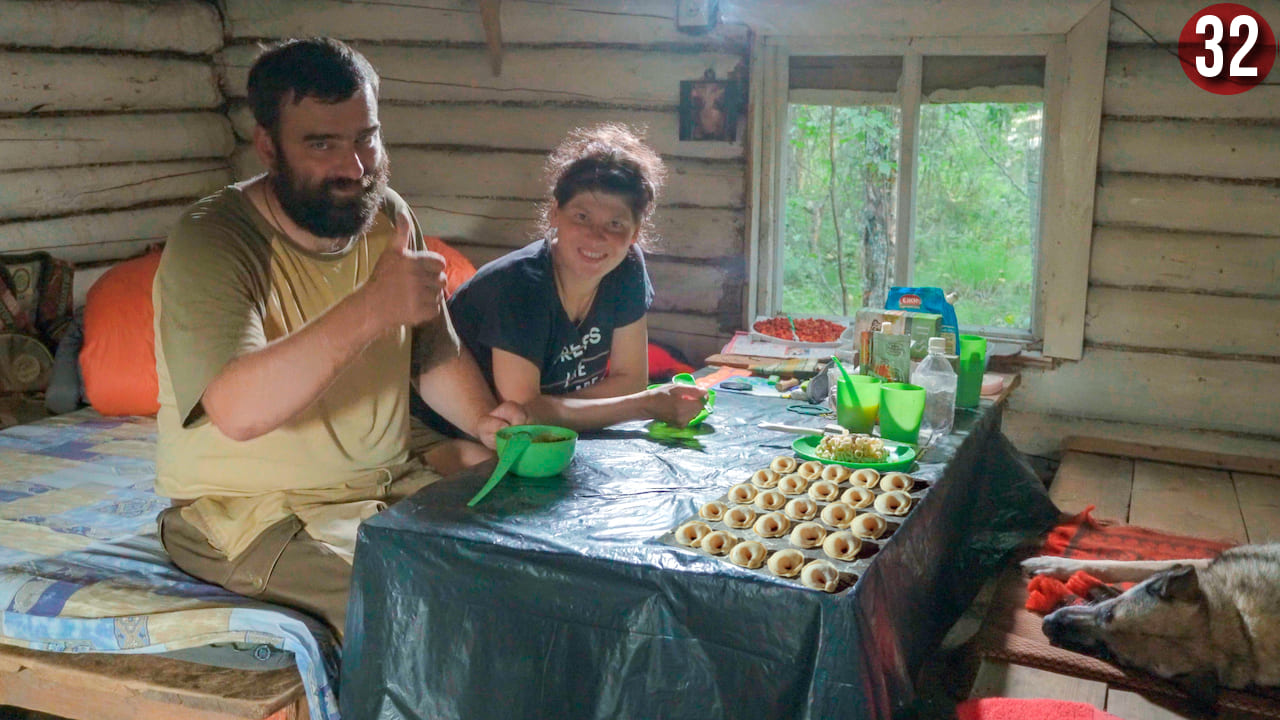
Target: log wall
[
  {"x": 111, "y": 121},
  {"x": 467, "y": 147},
  {"x": 1182, "y": 327}
]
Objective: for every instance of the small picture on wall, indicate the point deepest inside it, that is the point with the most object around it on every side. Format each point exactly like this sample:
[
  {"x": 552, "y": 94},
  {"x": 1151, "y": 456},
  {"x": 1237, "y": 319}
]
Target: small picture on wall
[{"x": 710, "y": 110}]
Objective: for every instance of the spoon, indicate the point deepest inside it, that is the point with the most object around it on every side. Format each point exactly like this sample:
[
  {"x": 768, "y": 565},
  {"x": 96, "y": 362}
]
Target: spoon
[{"x": 515, "y": 447}]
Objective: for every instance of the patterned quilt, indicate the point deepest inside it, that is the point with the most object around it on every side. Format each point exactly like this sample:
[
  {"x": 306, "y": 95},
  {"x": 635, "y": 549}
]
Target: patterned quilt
[{"x": 82, "y": 568}]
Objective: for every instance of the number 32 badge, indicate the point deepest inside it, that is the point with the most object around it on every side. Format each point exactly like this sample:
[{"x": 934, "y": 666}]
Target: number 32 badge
[{"x": 1227, "y": 48}]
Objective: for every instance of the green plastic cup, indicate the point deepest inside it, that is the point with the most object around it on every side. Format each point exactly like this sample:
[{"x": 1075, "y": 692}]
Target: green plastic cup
[
  {"x": 858, "y": 402},
  {"x": 549, "y": 453},
  {"x": 901, "y": 410},
  {"x": 972, "y": 362}
]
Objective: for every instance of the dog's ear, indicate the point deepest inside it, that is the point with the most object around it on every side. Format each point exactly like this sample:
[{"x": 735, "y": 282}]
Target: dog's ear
[
  {"x": 1179, "y": 583},
  {"x": 1202, "y": 688}
]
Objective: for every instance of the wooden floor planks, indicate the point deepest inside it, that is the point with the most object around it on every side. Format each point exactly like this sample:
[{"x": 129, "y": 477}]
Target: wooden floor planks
[{"x": 1237, "y": 506}]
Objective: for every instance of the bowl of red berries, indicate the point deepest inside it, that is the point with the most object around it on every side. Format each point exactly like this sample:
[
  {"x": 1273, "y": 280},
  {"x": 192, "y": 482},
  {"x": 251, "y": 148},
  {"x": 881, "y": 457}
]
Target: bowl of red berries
[{"x": 798, "y": 330}]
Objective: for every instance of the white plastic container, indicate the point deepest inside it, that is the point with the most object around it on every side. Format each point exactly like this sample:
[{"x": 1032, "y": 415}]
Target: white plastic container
[{"x": 938, "y": 379}]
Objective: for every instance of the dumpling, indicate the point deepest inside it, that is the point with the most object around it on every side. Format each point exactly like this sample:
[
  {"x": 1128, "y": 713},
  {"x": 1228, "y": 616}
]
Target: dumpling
[
  {"x": 805, "y": 535},
  {"x": 712, "y": 511},
  {"x": 858, "y": 497},
  {"x": 783, "y": 465},
  {"x": 742, "y": 493},
  {"x": 836, "y": 473},
  {"x": 786, "y": 563},
  {"x": 739, "y": 517},
  {"x": 765, "y": 479},
  {"x": 824, "y": 491},
  {"x": 772, "y": 525},
  {"x": 809, "y": 470},
  {"x": 820, "y": 575},
  {"x": 868, "y": 525},
  {"x": 842, "y": 545},
  {"x": 749, "y": 554},
  {"x": 865, "y": 477},
  {"x": 692, "y": 533},
  {"x": 770, "y": 500},
  {"x": 838, "y": 515},
  {"x": 718, "y": 542},
  {"x": 893, "y": 503},
  {"x": 896, "y": 481},
  {"x": 801, "y": 508},
  {"x": 792, "y": 484}
]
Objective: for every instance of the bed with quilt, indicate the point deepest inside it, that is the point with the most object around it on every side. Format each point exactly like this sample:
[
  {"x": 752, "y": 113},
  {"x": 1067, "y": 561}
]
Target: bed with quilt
[{"x": 82, "y": 568}]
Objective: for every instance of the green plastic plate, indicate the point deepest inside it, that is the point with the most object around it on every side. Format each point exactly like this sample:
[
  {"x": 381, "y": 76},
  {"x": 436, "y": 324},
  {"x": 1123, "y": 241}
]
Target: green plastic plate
[{"x": 901, "y": 456}]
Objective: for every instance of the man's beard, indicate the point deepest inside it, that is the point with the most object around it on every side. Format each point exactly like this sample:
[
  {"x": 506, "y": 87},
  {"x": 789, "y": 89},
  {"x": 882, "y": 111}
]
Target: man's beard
[{"x": 318, "y": 211}]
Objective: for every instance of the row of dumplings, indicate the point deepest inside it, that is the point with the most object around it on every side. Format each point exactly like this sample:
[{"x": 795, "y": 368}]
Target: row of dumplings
[
  {"x": 894, "y": 502},
  {"x": 792, "y": 477},
  {"x": 787, "y": 562}
]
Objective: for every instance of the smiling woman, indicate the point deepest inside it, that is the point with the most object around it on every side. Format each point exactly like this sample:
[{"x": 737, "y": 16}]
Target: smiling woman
[{"x": 559, "y": 325}]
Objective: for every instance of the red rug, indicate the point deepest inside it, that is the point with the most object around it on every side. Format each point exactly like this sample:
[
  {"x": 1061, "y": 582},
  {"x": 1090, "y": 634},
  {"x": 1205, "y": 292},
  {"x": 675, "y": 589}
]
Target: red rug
[
  {"x": 1012, "y": 634},
  {"x": 1024, "y": 709}
]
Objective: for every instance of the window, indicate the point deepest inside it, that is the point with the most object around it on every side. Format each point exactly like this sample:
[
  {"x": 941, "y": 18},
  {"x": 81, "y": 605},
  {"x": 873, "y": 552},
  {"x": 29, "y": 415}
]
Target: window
[
  {"x": 974, "y": 180},
  {"x": 965, "y": 163}
]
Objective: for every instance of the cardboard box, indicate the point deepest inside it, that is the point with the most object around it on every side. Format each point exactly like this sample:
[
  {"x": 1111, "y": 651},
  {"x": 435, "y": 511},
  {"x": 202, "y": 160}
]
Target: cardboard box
[{"x": 916, "y": 325}]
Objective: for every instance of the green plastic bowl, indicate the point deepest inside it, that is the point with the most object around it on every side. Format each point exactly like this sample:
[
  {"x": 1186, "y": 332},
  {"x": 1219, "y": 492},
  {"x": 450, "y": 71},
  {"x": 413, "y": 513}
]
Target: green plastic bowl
[{"x": 549, "y": 454}]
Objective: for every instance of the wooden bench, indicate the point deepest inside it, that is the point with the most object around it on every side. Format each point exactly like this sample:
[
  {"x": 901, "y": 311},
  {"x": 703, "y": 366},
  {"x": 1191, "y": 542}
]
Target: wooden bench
[
  {"x": 100, "y": 686},
  {"x": 1203, "y": 494}
]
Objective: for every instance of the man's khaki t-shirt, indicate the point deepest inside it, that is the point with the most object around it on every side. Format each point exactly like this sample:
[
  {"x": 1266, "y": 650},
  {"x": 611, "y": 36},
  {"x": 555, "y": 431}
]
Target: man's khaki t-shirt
[{"x": 228, "y": 284}]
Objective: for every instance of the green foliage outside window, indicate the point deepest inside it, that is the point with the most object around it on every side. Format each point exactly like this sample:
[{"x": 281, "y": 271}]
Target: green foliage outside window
[{"x": 976, "y": 201}]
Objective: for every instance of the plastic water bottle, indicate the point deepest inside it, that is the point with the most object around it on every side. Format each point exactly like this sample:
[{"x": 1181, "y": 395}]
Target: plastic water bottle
[{"x": 935, "y": 375}]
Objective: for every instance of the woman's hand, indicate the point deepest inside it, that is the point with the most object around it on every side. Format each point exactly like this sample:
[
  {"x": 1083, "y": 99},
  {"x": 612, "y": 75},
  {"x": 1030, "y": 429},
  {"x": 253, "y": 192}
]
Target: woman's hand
[{"x": 676, "y": 404}]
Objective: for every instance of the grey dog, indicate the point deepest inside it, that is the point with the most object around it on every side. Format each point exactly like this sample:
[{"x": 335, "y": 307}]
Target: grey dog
[{"x": 1202, "y": 624}]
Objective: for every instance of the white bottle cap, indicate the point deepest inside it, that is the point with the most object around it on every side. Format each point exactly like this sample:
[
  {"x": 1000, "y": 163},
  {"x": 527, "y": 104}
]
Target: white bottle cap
[{"x": 938, "y": 345}]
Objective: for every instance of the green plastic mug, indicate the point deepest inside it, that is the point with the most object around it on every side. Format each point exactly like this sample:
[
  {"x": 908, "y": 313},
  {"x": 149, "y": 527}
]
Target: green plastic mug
[
  {"x": 901, "y": 410},
  {"x": 549, "y": 453},
  {"x": 858, "y": 402},
  {"x": 972, "y": 363}
]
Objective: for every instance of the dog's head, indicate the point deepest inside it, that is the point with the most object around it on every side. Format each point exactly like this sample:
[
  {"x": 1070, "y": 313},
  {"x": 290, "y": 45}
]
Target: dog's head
[{"x": 1160, "y": 625}]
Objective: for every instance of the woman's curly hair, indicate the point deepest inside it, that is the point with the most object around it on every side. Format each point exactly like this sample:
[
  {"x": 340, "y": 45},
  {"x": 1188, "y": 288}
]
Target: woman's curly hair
[{"x": 610, "y": 158}]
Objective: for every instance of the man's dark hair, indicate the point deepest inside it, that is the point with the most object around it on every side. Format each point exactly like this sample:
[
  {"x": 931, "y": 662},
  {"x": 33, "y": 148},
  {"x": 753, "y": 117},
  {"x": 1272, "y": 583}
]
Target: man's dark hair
[{"x": 325, "y": 69}]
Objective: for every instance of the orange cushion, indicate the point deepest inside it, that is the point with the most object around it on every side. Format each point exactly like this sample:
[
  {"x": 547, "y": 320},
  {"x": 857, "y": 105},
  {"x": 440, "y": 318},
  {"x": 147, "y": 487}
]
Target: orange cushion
[
  {"x": 118, "y": 359},
  {"x": 458, "y": 269}
]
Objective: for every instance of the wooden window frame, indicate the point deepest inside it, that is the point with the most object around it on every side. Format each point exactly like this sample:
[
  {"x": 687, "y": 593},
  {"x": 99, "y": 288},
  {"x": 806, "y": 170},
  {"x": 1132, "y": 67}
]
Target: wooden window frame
[{"x": 1075, "y": 65}]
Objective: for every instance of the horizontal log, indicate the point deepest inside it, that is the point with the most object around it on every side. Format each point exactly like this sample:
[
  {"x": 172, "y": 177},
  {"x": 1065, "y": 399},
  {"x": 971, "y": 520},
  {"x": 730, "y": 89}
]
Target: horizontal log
[
  {"x": 1149, "y": 82},
  {"x": 1241, "y": 264},
  {"x": 1157, "y": 389},
  {"x": 1042, "y": 434},
  {"x": 40, "y": 142},
  {"x": 906, "y": 18},
  {"x": 423, "y": 176},
  {"x": 519, "y": 127},
  {"x": 1183, "y": 147},
  {"x": 187, "y": 26},
  {"x": 688, "y": 323},
  {"x": 1164, "y": 18},
  {"x": 61, "y": 82},
  {"x": 95, "y": 236},
  {"x": 1183, "y": 321},
  {"x": 683, "y": 232},
  {"x": 65, "y": 191},
  {"x": 567, "y": 75},
  {"x": 640, "y": 22},
  {"x": 1190, "y": 205}
]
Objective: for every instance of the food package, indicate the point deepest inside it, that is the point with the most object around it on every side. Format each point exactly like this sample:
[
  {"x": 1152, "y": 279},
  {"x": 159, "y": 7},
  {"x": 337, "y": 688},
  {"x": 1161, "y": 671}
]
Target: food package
[
  {"x": 890, "y": 357},
  {"x": 918, "y": 326},
  {"x": 927, "y": 300}
]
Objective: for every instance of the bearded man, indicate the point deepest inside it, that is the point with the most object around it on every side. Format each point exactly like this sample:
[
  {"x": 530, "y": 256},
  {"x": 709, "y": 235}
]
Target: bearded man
[{"x": 292, "y": 312}]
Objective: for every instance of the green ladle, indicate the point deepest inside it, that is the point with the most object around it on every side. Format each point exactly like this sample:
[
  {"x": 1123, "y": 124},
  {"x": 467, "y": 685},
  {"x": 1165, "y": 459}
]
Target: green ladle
[{"x": 515, "y": 447}]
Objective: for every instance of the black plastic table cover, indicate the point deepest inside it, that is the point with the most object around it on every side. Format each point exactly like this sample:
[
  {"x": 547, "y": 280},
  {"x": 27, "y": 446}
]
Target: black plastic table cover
[{"x": 553, "y": 599}]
